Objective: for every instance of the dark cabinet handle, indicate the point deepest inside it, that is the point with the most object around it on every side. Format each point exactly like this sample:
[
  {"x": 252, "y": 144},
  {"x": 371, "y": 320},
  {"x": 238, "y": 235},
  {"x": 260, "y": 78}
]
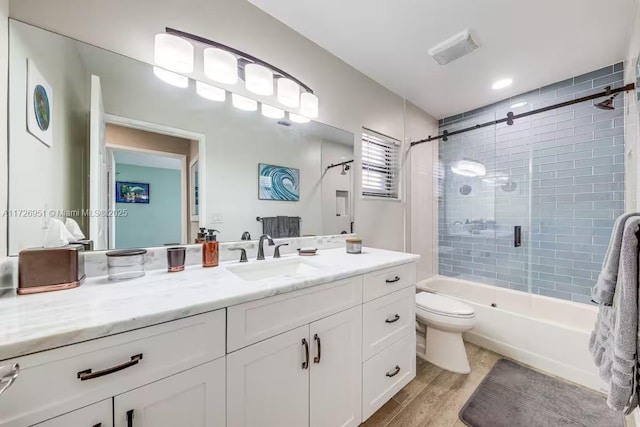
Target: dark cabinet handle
[
  {"x": 316, "y": 359},
  {"x": 393, "y": 373},
  {"x": 98, "y": 425},
  {"x": 395, "y": 319},
  {"x": 89, "y": 375},
  {"x": 305, "y": 364},
  {"x": 130, "y": 418},
  {"x": 396, "y": 279}
]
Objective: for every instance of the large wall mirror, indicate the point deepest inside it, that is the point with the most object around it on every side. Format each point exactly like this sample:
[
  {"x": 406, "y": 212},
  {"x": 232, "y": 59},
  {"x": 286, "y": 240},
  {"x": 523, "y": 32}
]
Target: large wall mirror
[{"x": 97, "y": 137}]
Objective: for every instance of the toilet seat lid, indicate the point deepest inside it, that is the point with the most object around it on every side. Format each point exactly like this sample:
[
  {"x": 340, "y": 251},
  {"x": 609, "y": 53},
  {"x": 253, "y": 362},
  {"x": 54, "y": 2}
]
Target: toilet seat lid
[{"x": 443, "y": 305}]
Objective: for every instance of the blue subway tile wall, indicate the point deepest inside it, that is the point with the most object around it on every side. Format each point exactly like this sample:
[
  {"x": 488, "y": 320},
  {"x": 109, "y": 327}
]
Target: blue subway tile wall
[{"x": 559, "y": 175}]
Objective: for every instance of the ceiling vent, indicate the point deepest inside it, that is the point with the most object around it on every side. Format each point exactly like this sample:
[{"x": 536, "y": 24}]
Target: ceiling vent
[{"x": 453, "y": 48}]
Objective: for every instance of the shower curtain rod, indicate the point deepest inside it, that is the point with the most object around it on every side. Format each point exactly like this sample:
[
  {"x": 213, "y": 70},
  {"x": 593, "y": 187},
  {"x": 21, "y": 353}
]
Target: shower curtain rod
[
  {"x": 339, "y": 164},
  {"x": 511, "y": 117}
]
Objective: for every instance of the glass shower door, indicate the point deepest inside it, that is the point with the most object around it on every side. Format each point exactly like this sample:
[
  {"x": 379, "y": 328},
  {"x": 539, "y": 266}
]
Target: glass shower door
[
  {"x": 466, "y": 220},
  {"x": 512, "y": 184}
]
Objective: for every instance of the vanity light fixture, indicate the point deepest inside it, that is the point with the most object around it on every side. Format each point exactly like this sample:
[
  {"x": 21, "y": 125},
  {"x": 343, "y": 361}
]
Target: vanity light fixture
[
  {"x": 296, "y": 118},
  {"x": 243, "y": 103},
  {"x": 258, "y": 79},
  {"x": 271, "y": 111},
  {"x": 226, "y": 65},
  {"x": 173, "y": 53},
  {"x": 174, "y": 79},
  {"x": 309, "y": 105},
  {"x": 288, "y": 92},
  {"x": 220, "y": 66},
  {"x": 209, "y": 92}
]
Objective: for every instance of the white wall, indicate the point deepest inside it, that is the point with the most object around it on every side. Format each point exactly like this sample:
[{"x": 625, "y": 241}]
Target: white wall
[
  {"x": 631, "y": 120},
  {"x": 348, "y": 99},
  {"x": 43, "y": 177},
  {"x": 422, "y": 217}
]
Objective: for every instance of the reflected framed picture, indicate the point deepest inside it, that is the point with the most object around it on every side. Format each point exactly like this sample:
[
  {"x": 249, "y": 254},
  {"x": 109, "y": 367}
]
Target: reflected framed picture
[
  {"x": 132, "y": 192},
  {"x": 278, "y": 183},
  {"x": 39, "y": 105}
]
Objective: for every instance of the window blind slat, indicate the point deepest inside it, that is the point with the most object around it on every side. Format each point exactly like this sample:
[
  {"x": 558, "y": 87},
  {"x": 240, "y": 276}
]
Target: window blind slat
[{"x": 380, "y": 170}]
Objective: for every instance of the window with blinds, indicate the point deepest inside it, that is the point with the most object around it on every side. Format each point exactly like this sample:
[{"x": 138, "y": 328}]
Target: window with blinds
[{"x": 380, "y": 166}]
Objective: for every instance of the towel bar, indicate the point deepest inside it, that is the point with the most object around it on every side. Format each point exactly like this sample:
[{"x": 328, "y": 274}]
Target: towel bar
[{"x": 259, "y": 219}]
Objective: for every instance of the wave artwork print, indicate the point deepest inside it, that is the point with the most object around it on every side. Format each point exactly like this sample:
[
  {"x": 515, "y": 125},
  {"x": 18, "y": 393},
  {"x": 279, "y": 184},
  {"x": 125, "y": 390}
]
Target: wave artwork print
[{"x": 278, "y": 183}]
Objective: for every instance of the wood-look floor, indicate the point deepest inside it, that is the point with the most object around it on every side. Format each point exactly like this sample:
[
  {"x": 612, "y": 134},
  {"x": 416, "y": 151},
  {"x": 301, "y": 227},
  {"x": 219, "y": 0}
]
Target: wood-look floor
[{"x": 435, "y": 396}]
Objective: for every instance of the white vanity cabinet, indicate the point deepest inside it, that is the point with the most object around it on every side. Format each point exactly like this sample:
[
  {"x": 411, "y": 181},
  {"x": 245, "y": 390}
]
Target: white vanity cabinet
[
  {"x": 323, "y": 356},
  {"x": 308, "y": 376},
  {"x": 63, "y": 380},
  {"x": 295, "y": 359},
  {"x": 326, "y": 356},
  {"x": 193, "y": 398},
  {"x": 389, "y": 335}
]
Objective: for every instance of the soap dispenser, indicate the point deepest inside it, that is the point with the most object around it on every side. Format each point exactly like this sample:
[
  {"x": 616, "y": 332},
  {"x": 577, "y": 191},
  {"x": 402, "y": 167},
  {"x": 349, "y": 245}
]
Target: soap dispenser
[
  {"x": 210, "y": 250},
  {"x": 201, "y": 235}
]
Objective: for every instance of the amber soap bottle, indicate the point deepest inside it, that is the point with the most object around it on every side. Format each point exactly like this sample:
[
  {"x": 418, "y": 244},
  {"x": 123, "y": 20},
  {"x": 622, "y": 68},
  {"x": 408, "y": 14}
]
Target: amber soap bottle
[{"x": 210, "y": 250}]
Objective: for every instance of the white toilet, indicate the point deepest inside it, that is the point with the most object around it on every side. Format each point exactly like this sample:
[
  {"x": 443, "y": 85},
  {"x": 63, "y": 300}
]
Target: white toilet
[{"x": 441, "y": 321}]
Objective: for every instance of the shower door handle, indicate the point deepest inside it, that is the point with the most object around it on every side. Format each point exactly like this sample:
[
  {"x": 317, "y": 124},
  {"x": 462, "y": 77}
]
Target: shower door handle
[{"x": 517, "y": 236}]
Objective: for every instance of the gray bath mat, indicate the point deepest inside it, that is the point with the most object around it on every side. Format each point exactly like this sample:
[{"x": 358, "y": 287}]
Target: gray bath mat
[{"x": 514, "y": 396}]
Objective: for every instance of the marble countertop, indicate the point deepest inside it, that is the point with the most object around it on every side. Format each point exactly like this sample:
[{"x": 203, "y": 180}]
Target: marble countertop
[{"x": 32, "y": 323}]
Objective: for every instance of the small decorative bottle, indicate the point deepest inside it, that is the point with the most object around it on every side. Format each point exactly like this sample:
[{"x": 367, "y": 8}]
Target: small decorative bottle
[
  {"x": 201, "y": 235},
  {"x": 210, "y": 250}
]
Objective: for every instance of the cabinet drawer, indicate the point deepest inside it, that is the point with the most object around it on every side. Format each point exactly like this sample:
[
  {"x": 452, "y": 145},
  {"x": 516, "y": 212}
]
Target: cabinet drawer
[
  {"x": 258, "y": 320},
  {"x": 387, "y": 319},
  {"x": 386, "y": 373},
  {"x": 97, "y": 415},
  {"x": 50, "y": 384},
  {"x": 383, "y": 282}
]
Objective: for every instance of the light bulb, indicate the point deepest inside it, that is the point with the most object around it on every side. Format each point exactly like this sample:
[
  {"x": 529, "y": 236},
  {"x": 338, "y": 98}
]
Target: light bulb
[
  {"x": 272, "y": 112},
  {"x": 309, "y": 105},
  {"x": 170, "y": 77},
  {"x": 220, "y": 65},
  {"x": 243, "y": 103},
  {"x": 288, "y": 93},
  {"x": 209, "y": 92},
  {"x": 173, "y": 53},
  {"x": 258, "y": 79}
]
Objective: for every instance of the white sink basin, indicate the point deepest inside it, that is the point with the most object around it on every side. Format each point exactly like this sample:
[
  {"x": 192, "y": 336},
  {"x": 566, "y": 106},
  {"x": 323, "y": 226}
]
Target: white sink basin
[{"x": 267, "y": 269}]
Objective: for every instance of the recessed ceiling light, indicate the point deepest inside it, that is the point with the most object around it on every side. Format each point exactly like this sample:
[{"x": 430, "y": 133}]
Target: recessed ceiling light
[
  {"x": 518, "y": 104},
  {"x": 501, "y": 84}
]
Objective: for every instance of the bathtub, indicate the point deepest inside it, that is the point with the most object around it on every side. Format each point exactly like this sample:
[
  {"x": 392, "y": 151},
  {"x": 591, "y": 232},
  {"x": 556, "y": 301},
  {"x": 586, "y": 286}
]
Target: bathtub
[{"x": 549, "y": 334}]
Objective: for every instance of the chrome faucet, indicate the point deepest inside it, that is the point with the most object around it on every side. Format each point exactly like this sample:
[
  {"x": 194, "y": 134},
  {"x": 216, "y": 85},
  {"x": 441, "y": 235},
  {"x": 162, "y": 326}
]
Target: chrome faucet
[{"x": 261, "y": 245}]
